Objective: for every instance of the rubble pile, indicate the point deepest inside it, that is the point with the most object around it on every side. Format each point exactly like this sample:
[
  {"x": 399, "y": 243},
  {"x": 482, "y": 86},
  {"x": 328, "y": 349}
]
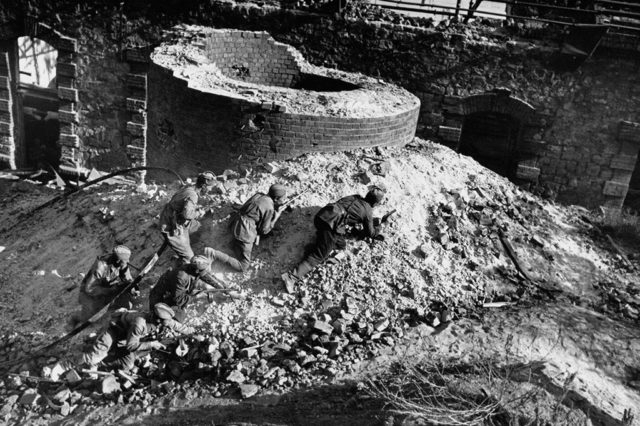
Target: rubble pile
[{"x": 441, "y": 259}]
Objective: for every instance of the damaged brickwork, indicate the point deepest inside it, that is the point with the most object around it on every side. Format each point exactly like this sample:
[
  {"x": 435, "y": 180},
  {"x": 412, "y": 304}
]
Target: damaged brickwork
[
  {"x": 575, "y": 142},
  {"x": 202, "y": 119}
]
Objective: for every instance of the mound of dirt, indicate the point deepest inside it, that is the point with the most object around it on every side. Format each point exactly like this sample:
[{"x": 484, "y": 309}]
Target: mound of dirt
[{"x": 443, "y": 258}]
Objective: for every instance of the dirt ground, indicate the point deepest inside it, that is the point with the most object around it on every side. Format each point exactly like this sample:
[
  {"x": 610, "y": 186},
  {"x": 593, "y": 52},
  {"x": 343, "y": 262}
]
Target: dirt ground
[{"x": 573, "y": 329}]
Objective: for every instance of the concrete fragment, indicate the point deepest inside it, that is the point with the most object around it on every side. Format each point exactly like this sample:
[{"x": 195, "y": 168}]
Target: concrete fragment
[
  {"x": 72, "y": 376},
  {"x": 322, "y": 327},
  {"x": 7, "y": 407},
  {"x": 29, "y": 398},
  {"x": 109, "y": 385},
  {"x": 339, "y": 326},
  {"x": 381, "y": 325},
  {"x": 247, "y": 352},
  {"x": 62, "y": 395},
  {"x": 236, "y": 377},
  {"x": 270, "y": 167},
  {"x": 248, "y": 390}
]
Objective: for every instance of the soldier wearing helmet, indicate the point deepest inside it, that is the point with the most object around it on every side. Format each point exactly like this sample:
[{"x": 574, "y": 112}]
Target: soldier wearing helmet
[
  {"x": 256, "y": 217},
  {"x": 180, "y": 215},
  {"x": 331, "y": 224},
  {"x": 108, "y": 274},
  {"x": 177, "y": 287},
  {"x": 132, "y": 331}
]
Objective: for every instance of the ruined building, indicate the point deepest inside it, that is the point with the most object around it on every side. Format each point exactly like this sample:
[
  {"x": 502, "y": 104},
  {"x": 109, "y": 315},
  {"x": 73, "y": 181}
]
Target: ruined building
[{"x": 265, "y": 84}]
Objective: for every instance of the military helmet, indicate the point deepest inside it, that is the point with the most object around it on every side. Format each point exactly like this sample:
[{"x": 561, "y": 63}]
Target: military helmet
[
  {"x": 202, "y": 263},
  {"x": 205, "y": 179},
  {"x": 163, "y": 311}
]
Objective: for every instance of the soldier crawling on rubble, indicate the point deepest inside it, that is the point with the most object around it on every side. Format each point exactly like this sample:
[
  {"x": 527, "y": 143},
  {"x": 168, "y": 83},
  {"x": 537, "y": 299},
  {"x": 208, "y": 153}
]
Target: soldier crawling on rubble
[
  {"x": 177, "y": 287},
  {"x": 331, "y": 224},
  {"x": 104, "y": 280},
  {"x": 128, "y": 330},
  {"x": 179, "y": 217},
  {"x": 255, "y": 218}
]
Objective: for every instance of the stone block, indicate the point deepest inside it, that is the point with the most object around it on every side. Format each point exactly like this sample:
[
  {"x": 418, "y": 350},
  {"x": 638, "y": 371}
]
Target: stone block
[
  {"x": 138, "y": 81},
  {"x": 67, "y": 43},
  {"x": 623, "y": 162},
  {"x": 69, "y": 140},
  {"x": 136, "y": 129},
  {"x": 136, "y": 105},
  {"x": 68, "y": 94},
  {"x": 6, "y": 128},
  {"x": 5, "y": 105},
  {"x": 68, "y": 116},
  {"x": 615, "y": 189},
  {"x": 4, "y": 82},
  {"x": 449, "y": 134},
  {"x": 527, "y": 172},
  {"x": 67, "y": 69},
  {"x": 629, "y": 131}
]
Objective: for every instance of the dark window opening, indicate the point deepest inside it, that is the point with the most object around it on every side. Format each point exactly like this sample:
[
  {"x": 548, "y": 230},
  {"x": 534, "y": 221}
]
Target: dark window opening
[
  {"x": 491, "y": 139},
  {"x": 39, "y": 99}
]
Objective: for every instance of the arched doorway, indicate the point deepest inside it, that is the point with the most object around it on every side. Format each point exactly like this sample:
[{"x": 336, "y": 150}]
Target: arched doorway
[
  {"x": 491, "y": 138},
  {"x": 38, "y": 98}
]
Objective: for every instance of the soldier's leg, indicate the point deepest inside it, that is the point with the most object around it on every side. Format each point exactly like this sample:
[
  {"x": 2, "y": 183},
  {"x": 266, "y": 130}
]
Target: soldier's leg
[
  {"x": 100, "y": 348},
  {"x": 126, "y": 361},
  {"x": 181, "y": 245},
  {"x": 243, "y": 253},
  {"x": 225, "y": 258},
  {"x": 325, "y": 243}
]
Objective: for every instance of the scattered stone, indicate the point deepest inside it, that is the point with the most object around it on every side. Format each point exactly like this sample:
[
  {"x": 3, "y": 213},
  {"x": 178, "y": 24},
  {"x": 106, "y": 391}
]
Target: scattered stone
[
  {"x": 72, "y": 376},
  {"x": 29, "y": 398},
  {"x": 109, "y": 385},
  {"x": 236, "y": 377},
  {"x": 248, "y": 390},
  {"x": 381, "y": 325},
  {"x": 270, "y": 167},
  {"x": 322, "y": 327},
  {"x": 7, "y": 407}
]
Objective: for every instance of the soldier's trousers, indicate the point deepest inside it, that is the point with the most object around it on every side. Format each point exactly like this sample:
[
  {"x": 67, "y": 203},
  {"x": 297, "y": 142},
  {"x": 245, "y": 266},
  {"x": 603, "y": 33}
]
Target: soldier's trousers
[
  {"x": 180, "y": 242},
  {"x": 242, "y": 259},
  {"x": 326, "y": 241},
  {"x": 103, "y": 347}
]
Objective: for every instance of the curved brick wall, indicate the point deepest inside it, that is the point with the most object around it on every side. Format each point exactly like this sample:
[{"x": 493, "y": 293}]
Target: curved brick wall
[
  {"x": 261, "y": 59},
  {"x": 201, "y": 118}
]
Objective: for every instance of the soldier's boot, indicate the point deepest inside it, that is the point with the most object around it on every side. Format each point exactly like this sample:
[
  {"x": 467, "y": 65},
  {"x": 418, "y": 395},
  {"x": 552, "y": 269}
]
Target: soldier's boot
[
  {"x": 224, "y": 258},
  {"x": 292, "y": 278}
]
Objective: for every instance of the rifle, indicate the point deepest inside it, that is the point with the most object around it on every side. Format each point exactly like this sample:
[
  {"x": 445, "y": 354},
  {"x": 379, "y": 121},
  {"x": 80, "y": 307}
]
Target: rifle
[
  {"x": 96, "y": 317},
  {"x": 234, "y": 294},
  {"x": 384, "y": 219},
  {"x": 292, "y": 199}
]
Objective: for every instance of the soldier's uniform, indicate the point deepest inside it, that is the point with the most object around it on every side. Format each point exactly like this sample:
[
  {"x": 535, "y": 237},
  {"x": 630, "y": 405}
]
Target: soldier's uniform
[
  {"x": 176, "y": 287},
  {"x": 179, "y": 217},
  {"x": 127, "y": 329},
  {"x": 108, "y": 274},
  {"x": 256, "y": 217},
  {"x": 331, "y": 224}
]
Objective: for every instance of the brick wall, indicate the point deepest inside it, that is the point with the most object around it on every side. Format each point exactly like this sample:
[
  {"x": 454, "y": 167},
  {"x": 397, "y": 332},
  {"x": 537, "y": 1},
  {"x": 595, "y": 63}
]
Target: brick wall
[
  {"x": 192, "y": 129},
  {"x": 254, "y": 57}
]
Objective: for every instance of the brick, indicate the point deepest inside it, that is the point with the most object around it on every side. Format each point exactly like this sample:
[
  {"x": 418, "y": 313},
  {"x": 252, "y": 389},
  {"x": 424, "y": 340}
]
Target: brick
[
  {"x": 6, "y": 128},
  {"x": 66, "y": 69},
  {"x": 136, "y": 105},
  {"x": 5, "y": 105},
  {"x": 68, "y": 94},
  {"x": 69, "y": 140},
  {"x": 67, "y": 44},
  {"x": 615, "y": 189},
  {"x": 137, "y": 81},
  {"x": 629, "y": 131},
  {"x": 623, "y": 162},
  {"x": 135, "y": 128},
  {"x": 449, "y": 134},
  {"x": 4, "y": 82},
  {"x": 527, "y": 172}
]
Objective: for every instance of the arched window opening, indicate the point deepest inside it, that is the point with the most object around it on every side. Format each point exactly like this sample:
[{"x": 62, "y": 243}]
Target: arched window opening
[{"x": 491, "y": 138}]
